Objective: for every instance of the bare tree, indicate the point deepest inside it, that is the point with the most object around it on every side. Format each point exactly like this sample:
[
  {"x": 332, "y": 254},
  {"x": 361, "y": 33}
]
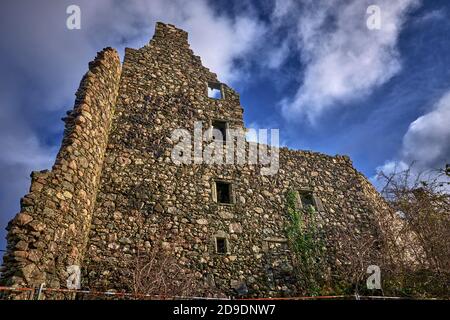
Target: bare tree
[
  {"x": 157, "y": 273},
  {"x": 418, "y": 249}
]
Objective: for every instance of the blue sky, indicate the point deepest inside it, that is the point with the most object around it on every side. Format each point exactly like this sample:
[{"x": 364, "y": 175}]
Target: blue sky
[{"x": 310, "y": 68}]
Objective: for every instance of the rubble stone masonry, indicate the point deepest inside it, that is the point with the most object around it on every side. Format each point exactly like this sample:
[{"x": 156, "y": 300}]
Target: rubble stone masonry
[{"x": 114, "y": 191}]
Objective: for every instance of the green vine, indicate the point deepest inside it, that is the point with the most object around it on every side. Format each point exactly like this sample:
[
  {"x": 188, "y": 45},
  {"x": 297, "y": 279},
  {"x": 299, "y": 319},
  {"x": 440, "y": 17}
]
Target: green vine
[{"x": 305, "y": 240}]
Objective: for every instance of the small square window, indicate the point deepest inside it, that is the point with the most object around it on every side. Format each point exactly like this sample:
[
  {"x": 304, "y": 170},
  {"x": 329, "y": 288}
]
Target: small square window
[
  {"x": 215, "y": 90},
  {"x": 223, "y": 190},
  {"x": 221, "y": 245},
  {"x": 219, "y": 130},
  {"x": 307, "y": 200}
]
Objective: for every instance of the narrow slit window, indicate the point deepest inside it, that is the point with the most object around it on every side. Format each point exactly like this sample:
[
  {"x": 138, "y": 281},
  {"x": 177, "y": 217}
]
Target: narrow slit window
[
  {"x": 215, "y": 90},
  {"x": 219, "y": 130},
  {"x": 223, "y": 190},
  {"x": 221, "y": 245}
]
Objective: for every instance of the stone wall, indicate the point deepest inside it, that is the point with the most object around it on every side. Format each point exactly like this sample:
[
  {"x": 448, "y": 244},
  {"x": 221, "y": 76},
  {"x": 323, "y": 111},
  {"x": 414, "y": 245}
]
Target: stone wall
[
  {"x": 145, "y": 200},
  {"x": 137, "y": 199},
  {"x": 50, "y": 232}
]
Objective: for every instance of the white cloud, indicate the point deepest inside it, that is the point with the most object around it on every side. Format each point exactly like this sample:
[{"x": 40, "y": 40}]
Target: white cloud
[
  {"x": 277, "y": 56},
  {"x": 59, "y": 57},
  {"x": 389, "y": 168},
  {"x": 425, "y": 145},
  {"x": 427, "y": 138},
  {"x": 392, "y": 166},
  {"x": 434, "y": 15},
  {"x": 26, "y": 151},
  {"x": 220, "y": 41},
  {"x": 282, "y": 9},
  {"x": 217, "y": 38},
  {"x": 344, "y": 60}
]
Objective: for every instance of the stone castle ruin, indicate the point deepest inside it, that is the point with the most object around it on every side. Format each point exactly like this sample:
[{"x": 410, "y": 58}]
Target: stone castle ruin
[{"x": 114, "y": 192}]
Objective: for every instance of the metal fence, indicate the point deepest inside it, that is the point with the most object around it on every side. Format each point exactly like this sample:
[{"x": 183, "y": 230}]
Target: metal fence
[{"x": 43, "y": 293}]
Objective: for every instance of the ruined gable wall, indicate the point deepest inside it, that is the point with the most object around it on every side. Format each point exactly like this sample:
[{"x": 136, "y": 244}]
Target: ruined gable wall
[
  {"x": 144, "y": 200},
  {"x": 163, "y": 87},
  {"x": 147, "y": 201},
  {"x": 50, "y": 232}
]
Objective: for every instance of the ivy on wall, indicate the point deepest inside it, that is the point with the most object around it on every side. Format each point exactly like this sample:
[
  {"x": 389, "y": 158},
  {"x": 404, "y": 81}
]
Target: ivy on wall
[{"x": 307, "y": 246}]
